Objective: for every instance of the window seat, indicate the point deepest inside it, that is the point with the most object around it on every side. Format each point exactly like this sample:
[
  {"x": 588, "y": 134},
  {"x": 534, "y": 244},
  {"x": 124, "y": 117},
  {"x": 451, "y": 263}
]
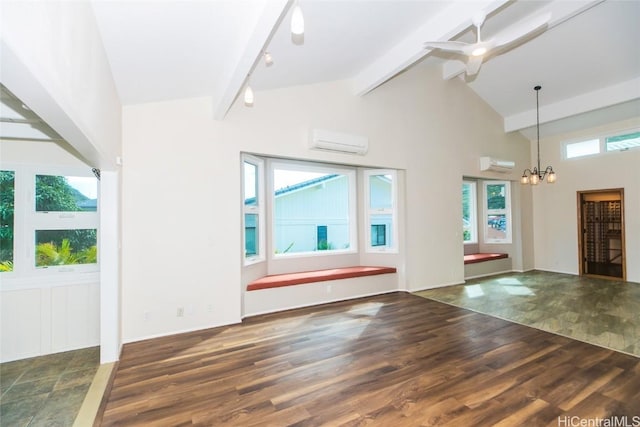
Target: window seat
[
  {"x": 475, "y": 258},
  {"x": 291, "y": 279}
]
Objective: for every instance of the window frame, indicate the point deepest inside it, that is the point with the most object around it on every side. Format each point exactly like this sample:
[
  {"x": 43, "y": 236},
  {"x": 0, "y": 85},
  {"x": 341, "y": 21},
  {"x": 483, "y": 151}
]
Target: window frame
[
  {"x": 314, "y": 167},
  {"x": 27, "y": 221},
  {"x": 392, "y": 212},
  {"x": 473, "y": 212},
  {"x": 257, "y": 209},
  {"x": 506, "y": 211}
]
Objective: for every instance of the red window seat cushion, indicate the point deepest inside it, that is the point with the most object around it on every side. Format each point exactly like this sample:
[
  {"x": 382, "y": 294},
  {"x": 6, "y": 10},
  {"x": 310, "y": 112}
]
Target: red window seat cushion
[
  {"x": 290, "y": 279},
  {"x": 473, "y": 258}
]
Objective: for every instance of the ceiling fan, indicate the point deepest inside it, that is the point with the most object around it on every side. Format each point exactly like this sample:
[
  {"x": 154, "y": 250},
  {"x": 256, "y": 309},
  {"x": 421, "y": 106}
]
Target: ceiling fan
[{"x": 478, "y": 50}]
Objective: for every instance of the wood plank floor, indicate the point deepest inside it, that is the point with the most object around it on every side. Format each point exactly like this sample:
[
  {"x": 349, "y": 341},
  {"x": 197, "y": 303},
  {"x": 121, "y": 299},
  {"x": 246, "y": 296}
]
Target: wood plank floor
[{"x": 390, "y": 360}]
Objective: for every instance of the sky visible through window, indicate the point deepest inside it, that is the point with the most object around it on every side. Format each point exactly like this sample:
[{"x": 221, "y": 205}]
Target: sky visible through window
[
  {"x": 282, "y": 178},
  {"x": 85, "y": 185}
]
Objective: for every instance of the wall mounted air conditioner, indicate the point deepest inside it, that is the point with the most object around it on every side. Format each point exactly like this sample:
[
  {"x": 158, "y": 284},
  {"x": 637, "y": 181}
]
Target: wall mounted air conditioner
[
  {"x": 328, "y": 140},
  {"x": 496, "y": 165}
]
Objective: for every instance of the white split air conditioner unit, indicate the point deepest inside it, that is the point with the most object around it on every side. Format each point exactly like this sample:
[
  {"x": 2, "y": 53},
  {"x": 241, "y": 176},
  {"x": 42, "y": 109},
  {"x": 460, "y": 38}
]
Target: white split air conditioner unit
[
  {"x": 496, "y": 165},
  {"x": 339, "y": 142}
]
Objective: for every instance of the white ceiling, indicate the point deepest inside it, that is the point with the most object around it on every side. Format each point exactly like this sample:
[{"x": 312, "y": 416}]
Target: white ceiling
[{"x": 587, "y": 61}]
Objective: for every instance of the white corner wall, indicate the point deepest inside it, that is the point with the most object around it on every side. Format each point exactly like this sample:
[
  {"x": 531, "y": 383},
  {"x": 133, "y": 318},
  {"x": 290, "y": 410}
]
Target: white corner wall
[
  {"x": 181, "y": 185},
  {"x": 555, "y": 211},
  {"x": 52, "y": 58}
]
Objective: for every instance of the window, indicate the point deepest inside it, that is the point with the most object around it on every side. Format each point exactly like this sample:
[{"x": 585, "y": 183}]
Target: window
[
  {"x": 497, "y": 209},
  {"x": 295, "y": 208},
  {"x": 65, "y": 220},
  {"x": 622, "y": 142},
  {"x": 253, "y": 209},
  {"x": 65, "y": 247},
  {"x": 322, "y": 242},
  {"x": 381, "y": 213},
  {"x": 305, "y": 195},
  {"x": 7, "y": 189},
  {"x": 582, "y": 148},
  {"x": 378, "y": 235},
  {"x": 66, "y": 193},
  {"x": 49, "y": 221},
  {"x": 618, "y": 142},
  {"x": 469, "y": 210}
]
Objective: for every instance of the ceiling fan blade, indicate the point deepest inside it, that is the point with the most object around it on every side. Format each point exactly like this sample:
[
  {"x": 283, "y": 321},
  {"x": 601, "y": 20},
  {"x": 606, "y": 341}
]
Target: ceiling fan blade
[
  {"x": 451, "y": 46},
  {"x": 520, "y": 29},
  {"x": 473, "y": 65}
]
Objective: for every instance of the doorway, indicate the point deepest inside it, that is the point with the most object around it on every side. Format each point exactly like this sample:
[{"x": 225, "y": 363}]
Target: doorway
[{"x": 601, "y": 233}]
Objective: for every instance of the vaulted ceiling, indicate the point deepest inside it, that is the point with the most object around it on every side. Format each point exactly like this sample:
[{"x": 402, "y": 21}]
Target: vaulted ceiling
[{"x": 586, "y": 57}]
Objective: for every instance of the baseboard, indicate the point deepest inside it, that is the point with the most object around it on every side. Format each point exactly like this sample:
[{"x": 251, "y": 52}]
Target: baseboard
[
  {"x": 441, "y": 285},
  {"x": 493, "y": 273}
]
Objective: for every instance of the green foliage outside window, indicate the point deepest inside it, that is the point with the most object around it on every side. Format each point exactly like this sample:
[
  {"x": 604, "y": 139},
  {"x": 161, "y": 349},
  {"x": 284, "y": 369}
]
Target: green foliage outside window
[
  {"x": 53, "y": 247},
  {"x": 64, "y": 247},
  {"x": 496, "y": 196},
  {"x": 54, "y": 194},
  {"x": 7, "y": 189},
  {"x": 50, "y": 253}
]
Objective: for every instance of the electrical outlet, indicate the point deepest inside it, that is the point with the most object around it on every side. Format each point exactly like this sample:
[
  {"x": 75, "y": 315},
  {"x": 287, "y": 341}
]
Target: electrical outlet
[
  {"x": 146, "y": 316},
  {"x": 180, "y": 312},
  {"x": 328, "y": 289}
]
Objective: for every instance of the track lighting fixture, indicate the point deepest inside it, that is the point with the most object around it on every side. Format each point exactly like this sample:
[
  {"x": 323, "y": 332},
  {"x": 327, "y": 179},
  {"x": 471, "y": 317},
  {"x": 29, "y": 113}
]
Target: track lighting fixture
[
  {"x": 248, "y": 96},
  {"x": 268, "y": 59},
  {"x": 297, "y": 21}
]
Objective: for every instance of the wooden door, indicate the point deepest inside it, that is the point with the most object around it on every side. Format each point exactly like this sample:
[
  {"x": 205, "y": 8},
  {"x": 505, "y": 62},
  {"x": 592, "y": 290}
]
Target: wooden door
[{"x": 601, "y": 233}]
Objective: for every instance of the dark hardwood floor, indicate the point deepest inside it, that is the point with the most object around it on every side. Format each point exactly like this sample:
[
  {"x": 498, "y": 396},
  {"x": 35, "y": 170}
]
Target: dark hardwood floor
[{"x": 390, "y": 360}]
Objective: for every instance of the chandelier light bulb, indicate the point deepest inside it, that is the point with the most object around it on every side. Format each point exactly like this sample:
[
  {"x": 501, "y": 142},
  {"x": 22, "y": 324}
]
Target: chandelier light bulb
[{"x": 535, "y": 179}]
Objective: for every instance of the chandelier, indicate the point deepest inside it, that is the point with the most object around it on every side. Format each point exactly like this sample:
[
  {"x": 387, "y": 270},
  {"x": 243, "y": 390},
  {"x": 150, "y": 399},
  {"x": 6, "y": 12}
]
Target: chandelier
[{"x": 536, "y": 175}]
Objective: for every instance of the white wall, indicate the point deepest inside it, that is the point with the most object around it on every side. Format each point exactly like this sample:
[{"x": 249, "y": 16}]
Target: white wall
[
  {"x": 181, "y": 185},
  {"x": 555, "y": 211},
  {"x": 181, "y": 225}
]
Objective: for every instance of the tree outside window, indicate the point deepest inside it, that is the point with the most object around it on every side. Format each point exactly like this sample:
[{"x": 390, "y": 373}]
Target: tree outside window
[
  {"x": 7, "y": 200},
  {"x": 497, "y": 212}
]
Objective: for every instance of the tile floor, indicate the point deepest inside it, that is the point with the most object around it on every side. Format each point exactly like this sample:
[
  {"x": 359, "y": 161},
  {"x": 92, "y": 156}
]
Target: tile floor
[
  {"x": 598, "y": 311},
  {"x": 47, "y": 390}
]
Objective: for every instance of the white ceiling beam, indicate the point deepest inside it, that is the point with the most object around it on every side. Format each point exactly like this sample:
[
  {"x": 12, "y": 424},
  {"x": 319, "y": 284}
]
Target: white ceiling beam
[
  {"x": 597, "y": 99},
  {"x": 561, "y": 11},
  {"x": 237, "y": 73},
  {"x": 443, "y": 26}
]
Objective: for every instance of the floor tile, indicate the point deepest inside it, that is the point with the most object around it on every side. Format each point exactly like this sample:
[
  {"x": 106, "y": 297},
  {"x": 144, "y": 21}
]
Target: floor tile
[
  {"x": 597, "y": 311},
  {"x": 47, "y": 390}
]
